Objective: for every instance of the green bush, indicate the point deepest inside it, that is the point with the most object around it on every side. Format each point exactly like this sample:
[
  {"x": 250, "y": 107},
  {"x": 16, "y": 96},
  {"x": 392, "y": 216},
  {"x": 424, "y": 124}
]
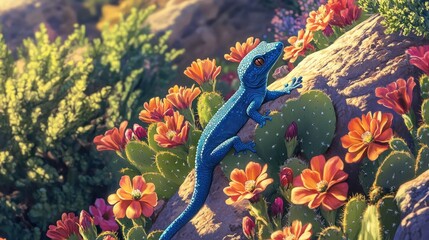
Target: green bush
[
  {"x": 52, "y": 95},
  {"x": 406, "y": 16}
]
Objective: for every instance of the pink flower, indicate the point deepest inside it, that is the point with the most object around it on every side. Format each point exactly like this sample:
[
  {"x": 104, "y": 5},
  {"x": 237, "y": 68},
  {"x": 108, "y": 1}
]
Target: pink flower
[
  {"x": 103, "y": 215},
  {"x": 65, "y": 228},
  {"x": 419, "y": 57}
]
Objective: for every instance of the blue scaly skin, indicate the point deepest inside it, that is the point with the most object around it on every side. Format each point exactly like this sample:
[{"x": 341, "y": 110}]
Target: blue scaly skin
[{"x": 220, "y": 134}]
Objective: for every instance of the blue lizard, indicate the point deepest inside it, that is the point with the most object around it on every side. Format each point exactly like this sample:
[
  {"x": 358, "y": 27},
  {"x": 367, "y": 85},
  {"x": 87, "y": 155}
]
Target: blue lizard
[{"x": 220, "y": 134}]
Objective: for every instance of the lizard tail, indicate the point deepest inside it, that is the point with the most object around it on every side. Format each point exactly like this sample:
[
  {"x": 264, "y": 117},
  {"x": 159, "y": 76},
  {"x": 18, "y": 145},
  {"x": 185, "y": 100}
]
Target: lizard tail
[{"x": 203, "y": 180}]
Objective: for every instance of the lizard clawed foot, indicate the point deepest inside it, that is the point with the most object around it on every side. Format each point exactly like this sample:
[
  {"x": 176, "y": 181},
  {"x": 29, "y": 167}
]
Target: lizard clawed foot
[
  {"x": 243, "y": 147},
  {"x": 264, "y": 119},
  {"x": 296, "y": 83}
]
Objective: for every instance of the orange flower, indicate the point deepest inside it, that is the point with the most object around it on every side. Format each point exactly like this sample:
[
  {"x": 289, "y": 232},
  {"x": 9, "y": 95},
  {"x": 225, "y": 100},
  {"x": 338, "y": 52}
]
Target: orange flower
[
  {"x": 319, "y": 20},
  {"x": 346, "y": 12},
  {"x": 241, "y": 49},
  {"x": 202, "y": 71},
  {"x": 300, "y": 44},
  {"x": 247, "y": 184},
  {"x": 156, "y": 110},
  {"x": 133, "y": 199},
  {"x": 324, "y": 184},
  {"x": 112, "y": 139},
  {"x": 173, "y": 132},
  {"x": 397, "y": 95},
  {"x": 368, "y": 136},
  {"x": 294, "y": 232},
  {"x": 182, "y": 97}
]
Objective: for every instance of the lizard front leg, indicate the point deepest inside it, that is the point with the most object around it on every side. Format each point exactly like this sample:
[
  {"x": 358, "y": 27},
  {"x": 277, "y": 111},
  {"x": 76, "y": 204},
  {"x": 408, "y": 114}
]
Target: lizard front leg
[
  {"x": 272, "y": 95},
  {"x": 252, "y": 111}
]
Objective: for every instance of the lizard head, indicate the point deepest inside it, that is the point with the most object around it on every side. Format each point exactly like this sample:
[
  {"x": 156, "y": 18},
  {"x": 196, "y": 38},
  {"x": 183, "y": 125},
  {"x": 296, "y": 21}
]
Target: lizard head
[{"x": 254, "y": 67}]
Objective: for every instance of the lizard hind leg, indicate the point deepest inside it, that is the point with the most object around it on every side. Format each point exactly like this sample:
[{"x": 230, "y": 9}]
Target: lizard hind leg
[{"x": 234, "y": 142}]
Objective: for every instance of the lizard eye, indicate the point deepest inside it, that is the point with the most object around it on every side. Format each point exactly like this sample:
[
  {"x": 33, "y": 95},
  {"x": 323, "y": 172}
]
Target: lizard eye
[{"x": 259, "y": 62}]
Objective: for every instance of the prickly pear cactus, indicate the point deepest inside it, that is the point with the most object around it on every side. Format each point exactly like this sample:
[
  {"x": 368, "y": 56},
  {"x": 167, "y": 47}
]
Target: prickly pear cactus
[
  {"x": 172, "y": 166},
  {"x": 164, "y": 186},
  {"x": 368, "y": 170},
  {"x": 315, "y": 116},
  {"x": 399, "y": 144},
  {"x": 425, "y": 111},
  {"x": 154, "y": 235},
  {"x": 151, "y": 131},
  {"x": 305, "y": 215},
  {"x": 296, "y": 164},
  {"x": 141, "y": 156},
  {"x": 270, "y": 140},
  {"x": 332, "y": 233},
  {"x": 207, "y": 106},
  {"x": 422, "y": 161},
  {"x": 423, "y": 134},
  {"x": 424, "y": 86},
  {"x": 353, "y": 214},
  {"x": 389, "y": 216},
  {"x": 395, "y": 170},
  {"x": 136, "y": 233},
  {"x": 126, "y": 225},
  {"x": 370, "y": 227}
]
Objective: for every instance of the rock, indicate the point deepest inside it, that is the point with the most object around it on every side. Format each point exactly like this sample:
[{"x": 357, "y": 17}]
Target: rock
[
  {"x": 414, "y": 195},
  {"x": 413, "y": 200},
  {"x": 349, "y": 71},
  {"x": 216, "y": 220},
  {"x": 208, "y": 28},
  {"x": 21, "y": 18}
]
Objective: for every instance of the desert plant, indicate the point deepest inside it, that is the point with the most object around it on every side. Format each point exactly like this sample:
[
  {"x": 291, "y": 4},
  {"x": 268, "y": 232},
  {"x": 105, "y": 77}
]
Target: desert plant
[{"x": 51, "y": 97}]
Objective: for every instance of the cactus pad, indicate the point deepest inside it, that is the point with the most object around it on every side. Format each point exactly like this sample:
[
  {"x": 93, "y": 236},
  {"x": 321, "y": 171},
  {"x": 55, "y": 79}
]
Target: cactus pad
[
  {"x": 269, "y": 140},
  {"x": 305, "y": 215},
  {"x": 172, "y": 166},
  {"x": 353, "y": 214},
  {"x": 395, "y": 170},
  {"x": 136, "y": 233},
  {"x": 164, "y": 187},
  {"x": 390, "y": 217},
  {"x": 367, "y": 173},
  {"x": 207, "y": 106},
  {"x": 425, "y": 111},
  {"x": 423, "y": 134},
  {"x": 315, "y": 116},
  {"x": 332, "y": 233},
  {"x": 154, "y": 235},
  {"x": 398, "y": 144},
  {"x": 371, "y": 227},
  {"x": 424, "y": 86},
  {"x": 151, "y": 131},
  {"x": 296, "y": 164},
  {"x": 141, "y": 156},
  {"x": 422, "y": 161},
  {"x": 126, "y": 225}
]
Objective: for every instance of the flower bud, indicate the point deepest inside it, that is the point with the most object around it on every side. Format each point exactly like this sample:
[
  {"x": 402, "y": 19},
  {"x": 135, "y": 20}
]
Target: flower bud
[
  {"x": 86, "y": 226},
  {"x": 328, "y": 31},
  {"x": 291, "y": 132},
  {"x": 248, "y": 227},
  {"x": 128, "y": 134},
  {"x": 139, "y": 132},
  {"x": 277, "y": 207},
  {"x": 286, "y": 177}
]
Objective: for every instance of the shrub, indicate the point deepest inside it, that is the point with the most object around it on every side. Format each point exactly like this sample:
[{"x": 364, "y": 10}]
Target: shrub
[
  {"x": 404, "y": 16},
  {"x": 51, "y": 96}
]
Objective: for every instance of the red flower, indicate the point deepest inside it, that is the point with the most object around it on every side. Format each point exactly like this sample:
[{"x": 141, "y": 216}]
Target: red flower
[
  {"x": 155, "y": 110},
  {"x": 322, "y": 185},
  {"x": 345, "y": 12},
  {"x": 103, "y": 215},
  {"x": 133, "y": 199},
  {"x": 138, "y": 133},
  {"x": 368, "y": 136},
  {"x": 277, "y": 207},
  {"x": 397, "y": 95},
  {"x": 241, "y": 49},
  {"x": 286, "y": 176},
  {"x": 248, "y": 227},
  {"x": 112, "y": 139},
  {"x": 419, "y": 57},
  {"x": 173, "y": 132},
  {"x": 65, "y": 228}
]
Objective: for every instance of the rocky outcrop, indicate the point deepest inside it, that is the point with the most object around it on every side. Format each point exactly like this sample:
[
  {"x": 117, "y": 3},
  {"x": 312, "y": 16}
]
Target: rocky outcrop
[
  {"x": 21, "y": 18},
  {"x": 208, "y": 28},
  {"x": 349, "y": 71},
  {"x": 413, "y": 199},
  {"x": 215, "y": 220}
]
